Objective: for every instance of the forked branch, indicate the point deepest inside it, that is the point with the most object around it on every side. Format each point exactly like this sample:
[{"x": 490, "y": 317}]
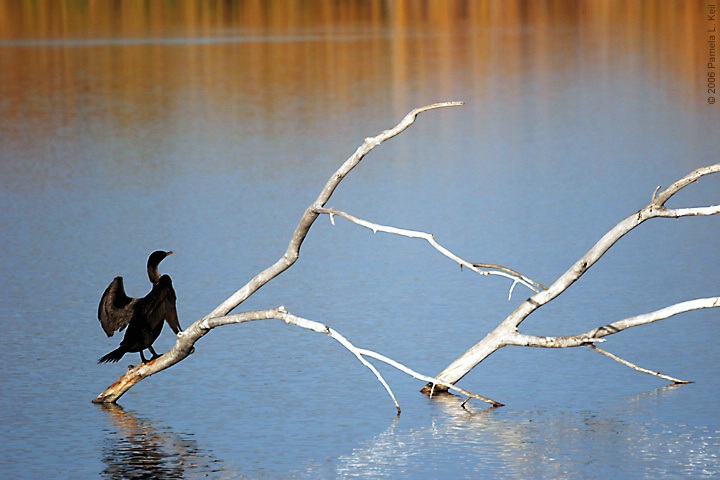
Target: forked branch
[
  {"x": 306, "y": 221},
  {"x": 135, "y": 374},
  {"x": 479, "y": 268},
  {"x": 220, "y": 315},
  {"x": 507, "y": 332}
]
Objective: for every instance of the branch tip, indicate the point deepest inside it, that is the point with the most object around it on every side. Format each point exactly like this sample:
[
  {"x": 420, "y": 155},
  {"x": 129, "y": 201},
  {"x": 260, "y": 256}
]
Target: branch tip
[
  {"x": 512, "y": 287},
  {"x": 654, "y": 194}
]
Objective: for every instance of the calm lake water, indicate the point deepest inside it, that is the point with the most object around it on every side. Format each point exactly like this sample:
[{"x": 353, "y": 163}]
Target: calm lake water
[{"x": 208, "y": 127}]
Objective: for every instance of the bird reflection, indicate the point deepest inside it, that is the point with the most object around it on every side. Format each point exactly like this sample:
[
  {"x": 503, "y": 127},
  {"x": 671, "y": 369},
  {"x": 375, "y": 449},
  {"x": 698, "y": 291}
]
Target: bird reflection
[{"x": 138, "y": 449}]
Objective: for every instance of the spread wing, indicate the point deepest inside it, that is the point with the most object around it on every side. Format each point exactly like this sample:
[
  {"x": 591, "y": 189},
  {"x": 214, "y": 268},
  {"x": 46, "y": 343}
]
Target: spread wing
[
  {"x": 171, "y": 316},
  {"x": 159, "y": 305},
  {"x": 116, "y": 308}
]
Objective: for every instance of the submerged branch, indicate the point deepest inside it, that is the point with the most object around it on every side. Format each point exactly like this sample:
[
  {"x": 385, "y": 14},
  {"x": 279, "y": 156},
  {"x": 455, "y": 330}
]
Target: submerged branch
[
  {"x": 425, "y": 378},
  {"x": 506, "y": 333}
]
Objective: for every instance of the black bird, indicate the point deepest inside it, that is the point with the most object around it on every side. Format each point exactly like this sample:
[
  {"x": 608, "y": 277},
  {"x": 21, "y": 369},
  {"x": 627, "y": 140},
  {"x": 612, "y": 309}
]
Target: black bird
[{"x": 143, "y": 317}]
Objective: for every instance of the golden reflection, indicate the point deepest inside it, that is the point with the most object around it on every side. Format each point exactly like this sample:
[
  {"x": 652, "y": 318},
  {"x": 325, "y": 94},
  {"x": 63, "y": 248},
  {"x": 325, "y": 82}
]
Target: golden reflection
[
  {"x": 146, "y": 73},
  {"x": 433, "y": 45}
]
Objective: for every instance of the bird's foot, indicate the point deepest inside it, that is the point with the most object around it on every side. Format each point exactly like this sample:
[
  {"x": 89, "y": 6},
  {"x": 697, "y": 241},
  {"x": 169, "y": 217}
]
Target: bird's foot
[{"x": 153, "y": 352}]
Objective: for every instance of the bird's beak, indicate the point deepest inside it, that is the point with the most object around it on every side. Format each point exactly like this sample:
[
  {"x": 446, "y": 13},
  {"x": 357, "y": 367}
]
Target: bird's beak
[{"x": 169, "y": 253}]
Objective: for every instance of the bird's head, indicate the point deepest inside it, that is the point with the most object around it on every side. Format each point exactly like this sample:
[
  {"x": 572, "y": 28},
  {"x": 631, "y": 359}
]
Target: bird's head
[
  {"x": 156, "y": 257},
  {"x": 152, "y": 264}
]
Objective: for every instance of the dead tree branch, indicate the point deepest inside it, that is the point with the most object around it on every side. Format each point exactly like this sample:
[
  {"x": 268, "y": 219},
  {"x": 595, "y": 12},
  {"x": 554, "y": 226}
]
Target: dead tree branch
[
  {"x": 507, "y": 332},
  {"x": 662, "y": 314},
  {"x": 504, "y": 335},
  {"x": 306, "y": 221},
  {"x": 135, "y": 374},
  {"x": 220, "y": 315},
  {"x": 489, "y": 269},
  {"x": 425, "y": 378},
  {"x": 639, "y": 369}
]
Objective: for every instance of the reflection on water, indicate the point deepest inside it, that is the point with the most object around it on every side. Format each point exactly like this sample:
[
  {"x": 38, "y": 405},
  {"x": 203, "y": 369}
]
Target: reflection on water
[
  {"x": 136, "y": 448},
  {"x": 272, "y": 50},
  {"x": 582, "y": 444},
  {"x": 468, "y": 442}
]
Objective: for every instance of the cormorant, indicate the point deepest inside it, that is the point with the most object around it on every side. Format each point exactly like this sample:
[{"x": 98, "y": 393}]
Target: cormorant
[{"x": 143, "y": 317}]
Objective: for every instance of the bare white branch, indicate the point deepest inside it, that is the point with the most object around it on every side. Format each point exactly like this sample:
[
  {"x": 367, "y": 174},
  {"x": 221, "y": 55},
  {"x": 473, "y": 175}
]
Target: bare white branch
[
  {"x": 430, "y": 238},
  {"x": 691, "y": 177},
  {"x": 689, "y": 212},
  {"x": 308, "y": 219},
  {"x": 637, "y": 368},
  {"x": 187, "y": 338},
  {"x": 512, "y": 288},
  {"x": 539, "y": 341},
  {"x": 650, "y": 317},
  {"x": 596, "y": 335},
  {"x": 425, "y": 378},
  {"x": 507, "y": 332},
  {"x": 318, "y": 327}
]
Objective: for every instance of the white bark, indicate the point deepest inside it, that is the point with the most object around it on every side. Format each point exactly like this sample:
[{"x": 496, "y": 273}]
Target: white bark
[
  {"x": 479, "y": 268},
  {"x": 306, "y": 221},
  {"x": 220, "y": 315},
  {"x": 674, "y": 380},
  {"x": 505, "y": 334}
]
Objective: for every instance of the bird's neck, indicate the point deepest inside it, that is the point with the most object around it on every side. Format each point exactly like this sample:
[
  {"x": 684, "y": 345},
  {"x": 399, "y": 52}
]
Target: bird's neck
[{"x": 153, "y": 274}]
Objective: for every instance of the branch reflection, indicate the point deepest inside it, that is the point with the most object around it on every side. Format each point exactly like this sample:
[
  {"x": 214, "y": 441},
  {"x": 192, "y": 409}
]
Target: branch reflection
[
  {"x": 541, "y": 443},
  {"x": 138, "y": 449}
]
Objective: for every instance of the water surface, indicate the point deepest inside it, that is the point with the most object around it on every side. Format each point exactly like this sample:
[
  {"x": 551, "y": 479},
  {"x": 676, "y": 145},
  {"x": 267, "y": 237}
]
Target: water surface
[{"x": 208, "y": 129}]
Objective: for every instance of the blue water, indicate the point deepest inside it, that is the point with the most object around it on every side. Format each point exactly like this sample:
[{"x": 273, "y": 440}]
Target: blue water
[{"x": 112, "y": 150}]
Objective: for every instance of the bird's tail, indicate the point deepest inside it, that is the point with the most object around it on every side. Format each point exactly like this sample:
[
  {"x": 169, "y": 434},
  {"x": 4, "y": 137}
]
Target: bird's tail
[{"x": 113, "y": 356}]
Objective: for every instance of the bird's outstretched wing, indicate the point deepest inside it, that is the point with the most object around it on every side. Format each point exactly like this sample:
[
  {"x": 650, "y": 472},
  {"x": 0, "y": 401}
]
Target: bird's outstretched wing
[
  {"x": 171, "y": 316},
  {"x": 159, "y": 305},
  {"x": 170, "y": 301},
  {"x": 116, "y": 308}
]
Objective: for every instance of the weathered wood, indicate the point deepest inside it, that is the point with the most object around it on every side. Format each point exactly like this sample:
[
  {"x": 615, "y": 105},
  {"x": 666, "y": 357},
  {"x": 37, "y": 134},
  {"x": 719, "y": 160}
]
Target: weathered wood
[
  {"x": 506, "y": 333},
  {"x": 220, "y": 315}
]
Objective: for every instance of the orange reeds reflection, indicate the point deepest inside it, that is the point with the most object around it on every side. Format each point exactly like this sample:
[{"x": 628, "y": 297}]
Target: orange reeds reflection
[{"x": 328, "y": 46}]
